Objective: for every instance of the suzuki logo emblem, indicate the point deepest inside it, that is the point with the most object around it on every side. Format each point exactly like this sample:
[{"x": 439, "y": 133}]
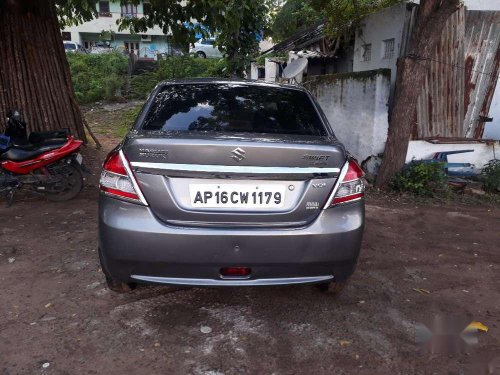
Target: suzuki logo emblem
[{"x": 238, "y": 154}]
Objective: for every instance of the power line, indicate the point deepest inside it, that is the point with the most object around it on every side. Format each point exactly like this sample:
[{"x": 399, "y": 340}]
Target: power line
[{"x": 422, "y": 58}]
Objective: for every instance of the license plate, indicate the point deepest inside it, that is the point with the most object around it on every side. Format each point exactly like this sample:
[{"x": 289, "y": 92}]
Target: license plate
[
  {"x": 237, "y": 195},
  {"x": 79, "y": 158}
]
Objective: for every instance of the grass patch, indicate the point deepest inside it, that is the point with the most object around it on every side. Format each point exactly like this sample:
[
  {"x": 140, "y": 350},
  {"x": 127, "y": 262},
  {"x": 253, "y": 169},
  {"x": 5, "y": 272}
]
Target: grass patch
[{"x": 114, "y": 123}]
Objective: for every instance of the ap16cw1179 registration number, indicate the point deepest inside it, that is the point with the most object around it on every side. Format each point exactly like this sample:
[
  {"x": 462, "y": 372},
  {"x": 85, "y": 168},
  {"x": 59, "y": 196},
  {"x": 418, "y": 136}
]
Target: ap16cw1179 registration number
[{"x": 237, "y": 195}]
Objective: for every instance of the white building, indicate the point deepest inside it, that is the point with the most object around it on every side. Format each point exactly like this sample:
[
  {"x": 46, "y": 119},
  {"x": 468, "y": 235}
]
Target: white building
[
  {"x": 381, "y": 39},
  {"x": 88, "y": 34}
]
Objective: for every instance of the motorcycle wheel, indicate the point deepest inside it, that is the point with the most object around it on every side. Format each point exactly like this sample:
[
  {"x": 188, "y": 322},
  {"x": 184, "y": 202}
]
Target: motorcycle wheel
[{"x": 73, "y": 184}]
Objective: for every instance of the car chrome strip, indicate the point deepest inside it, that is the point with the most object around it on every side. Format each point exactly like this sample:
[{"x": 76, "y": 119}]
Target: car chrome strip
[
  {"x": 132, "y": 178},
  {"x": 232, "y": 282},
  {"x": 339, "y": 181},
  {"x": 234, "y": 168}
]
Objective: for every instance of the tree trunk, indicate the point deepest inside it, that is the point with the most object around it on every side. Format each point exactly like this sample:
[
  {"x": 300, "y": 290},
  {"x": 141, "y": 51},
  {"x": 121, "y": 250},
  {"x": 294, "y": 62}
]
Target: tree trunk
[
  {"x": 34, "y": 72},
  {"x": 431, "y": 16}
]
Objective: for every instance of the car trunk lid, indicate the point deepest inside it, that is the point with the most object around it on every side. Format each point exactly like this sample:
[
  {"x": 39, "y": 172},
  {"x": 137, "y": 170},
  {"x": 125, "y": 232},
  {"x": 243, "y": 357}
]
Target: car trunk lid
[{"x": 249, "y": 180}]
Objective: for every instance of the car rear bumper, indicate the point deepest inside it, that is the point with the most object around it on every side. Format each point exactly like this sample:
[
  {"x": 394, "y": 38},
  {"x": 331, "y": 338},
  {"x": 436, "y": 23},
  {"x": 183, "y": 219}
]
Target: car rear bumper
[
  {"x": 136, "y": 246},
  {"x": 232, "y": 282}
]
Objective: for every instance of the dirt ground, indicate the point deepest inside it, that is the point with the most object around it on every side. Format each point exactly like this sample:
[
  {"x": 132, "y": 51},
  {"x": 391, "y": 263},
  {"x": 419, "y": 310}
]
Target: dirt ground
[{"x": 57, "y": 316}]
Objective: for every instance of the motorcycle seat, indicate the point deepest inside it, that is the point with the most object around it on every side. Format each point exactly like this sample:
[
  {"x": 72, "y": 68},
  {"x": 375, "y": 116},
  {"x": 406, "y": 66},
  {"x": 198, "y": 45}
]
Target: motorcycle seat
[{"x": 20, "y": 153}]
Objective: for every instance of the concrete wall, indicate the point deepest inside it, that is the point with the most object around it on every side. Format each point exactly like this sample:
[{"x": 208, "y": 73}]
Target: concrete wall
[
  {"x": 271, "y": 70},
  {"x": 483, "y": 152},
  {"x": 356, "y": 107},
  {"x": 492, "y": 129},
  {"x": 482, "y": 4}
]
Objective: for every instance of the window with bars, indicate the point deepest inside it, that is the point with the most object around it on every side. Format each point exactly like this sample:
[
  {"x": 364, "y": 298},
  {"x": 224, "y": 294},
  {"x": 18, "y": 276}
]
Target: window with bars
[
  {"x": 388, "y": 52},
  {"x": 104, "y": 9},
  {"x": 366, "y": 52},
  {"x": 129, "y": 10}
]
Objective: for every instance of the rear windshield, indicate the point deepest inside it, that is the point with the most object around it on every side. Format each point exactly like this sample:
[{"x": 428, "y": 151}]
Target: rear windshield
[{"x": 233, "y": 108}]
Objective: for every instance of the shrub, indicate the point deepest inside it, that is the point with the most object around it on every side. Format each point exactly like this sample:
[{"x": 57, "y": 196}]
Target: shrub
[
  {"x": 141, "y": 85},
  {"x": 177, "y": 67},
  {"x": 97, "y": 76},
  {"x": 491, "y": 175},
  {"x": 112, "y": 86},
  {"x": 420, "y": 178}
]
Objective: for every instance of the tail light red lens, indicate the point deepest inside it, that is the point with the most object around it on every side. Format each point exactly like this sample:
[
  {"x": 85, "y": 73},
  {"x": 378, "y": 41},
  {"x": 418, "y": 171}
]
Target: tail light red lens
[
  {"x": 351, "y": 186},
  {"x": 235, "y": 271},
  {"x": 114, "y": 164},
  {"x": 117, "y": 179}
]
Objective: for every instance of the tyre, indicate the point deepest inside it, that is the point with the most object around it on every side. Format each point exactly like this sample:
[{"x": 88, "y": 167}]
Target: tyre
[
  {"x": 71, "y": 184},
  {"x": 201, "y": 55},
  {"x": 118, "y": 287},
  {"x": 334, "y": 288},
  {"x": 114, "y": 285}
]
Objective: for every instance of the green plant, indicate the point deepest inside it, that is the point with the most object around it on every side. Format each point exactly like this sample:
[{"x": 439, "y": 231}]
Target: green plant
[
  {"x": 344, "y": 16},
  {"x": 177, "y": 67},
  {"x": 421, "y": 178},
  {"x": 112, "y": 86},
  {"x": 237, "y": 25},
  {"x": 97, "y": 77},
  {"x": 491, "y": 175},
  {"x": 293, "y": 16}
]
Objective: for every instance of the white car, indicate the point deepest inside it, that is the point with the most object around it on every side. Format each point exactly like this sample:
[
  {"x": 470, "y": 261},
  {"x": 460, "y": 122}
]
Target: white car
[
  {"x": 73, "y": 47},
  {"x": 205, "y": 48}
]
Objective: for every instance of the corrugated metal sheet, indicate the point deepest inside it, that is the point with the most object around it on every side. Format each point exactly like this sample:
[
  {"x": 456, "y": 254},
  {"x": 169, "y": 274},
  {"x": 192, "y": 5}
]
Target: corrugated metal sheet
[
  {"x": 440, "y": 108},
  {"x": 462, "y": 77},
  {"x": 482, "y": 57}
]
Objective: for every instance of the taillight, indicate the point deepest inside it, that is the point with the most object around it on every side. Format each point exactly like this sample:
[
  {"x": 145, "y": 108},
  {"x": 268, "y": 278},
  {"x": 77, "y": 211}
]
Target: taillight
[
  {"x": 350, "y": 187},
  {"x": 117, "y": 179},
  {"x": 235, "y": 272}
]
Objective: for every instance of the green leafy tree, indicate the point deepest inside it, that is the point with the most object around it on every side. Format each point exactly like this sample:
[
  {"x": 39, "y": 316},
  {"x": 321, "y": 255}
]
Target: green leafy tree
[
  {"x": 35, "y": 76},
  {"x": 431, "y": 16},
  {"x": 292, "y": 17},
  {"x": 236, "y": 23},
  {"x": 344, "y": 15}
]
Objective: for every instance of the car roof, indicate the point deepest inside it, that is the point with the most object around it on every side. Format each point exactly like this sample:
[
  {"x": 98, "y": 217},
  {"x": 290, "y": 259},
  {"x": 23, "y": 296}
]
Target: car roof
[{"x": 222, "y": 81}]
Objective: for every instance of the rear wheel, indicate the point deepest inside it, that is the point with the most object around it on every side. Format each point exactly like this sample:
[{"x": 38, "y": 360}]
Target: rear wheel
[
  {"x": 334, "y": 288},
  {"x": 118, "y": 287},
  {"x": 201, "y": 55},
  {"x": 113, "y": 284},
  {"x": 70, "y": 184}
]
